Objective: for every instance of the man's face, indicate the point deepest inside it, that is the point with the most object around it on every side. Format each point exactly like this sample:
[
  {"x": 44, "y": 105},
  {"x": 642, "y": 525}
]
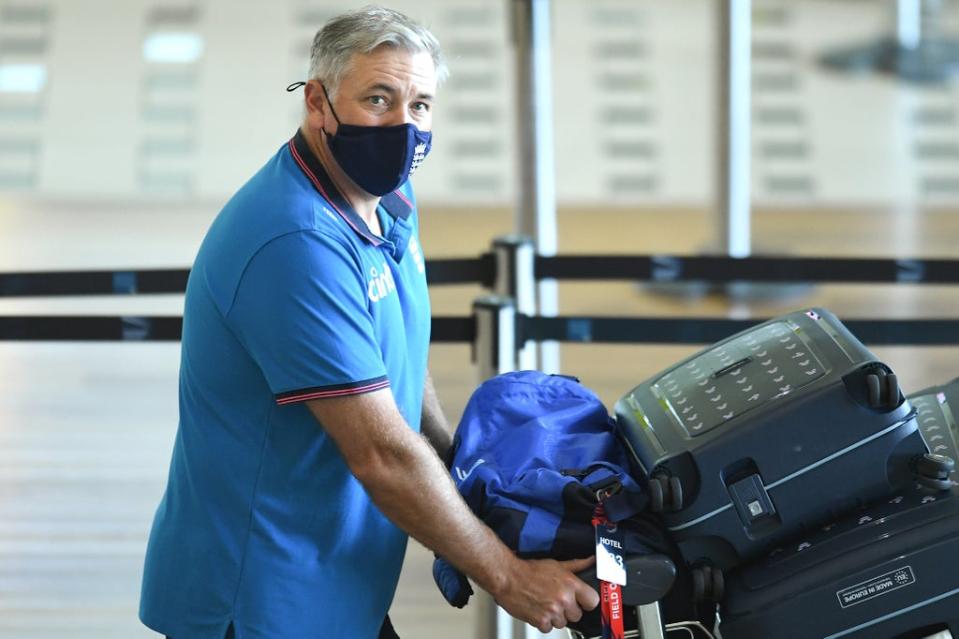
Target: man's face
[{"x": 387, "y": 87}]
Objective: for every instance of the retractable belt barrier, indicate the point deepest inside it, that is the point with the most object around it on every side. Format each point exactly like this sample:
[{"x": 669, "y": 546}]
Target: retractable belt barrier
[
  {"x": 129, "y": 328},
  {"x": 462, "y": 329},
  {"x": 671, "y": 268},
  {"x": 93, "y": 283},
  {"x": 706, "y": 330},
  {"x": 479, "y": 270},
  {"x": 483, "y": 271}
]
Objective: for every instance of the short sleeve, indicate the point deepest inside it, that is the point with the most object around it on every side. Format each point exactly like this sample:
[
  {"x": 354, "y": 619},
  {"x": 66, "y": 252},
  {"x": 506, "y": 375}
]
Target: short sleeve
[{"x": 301, "y": 311}]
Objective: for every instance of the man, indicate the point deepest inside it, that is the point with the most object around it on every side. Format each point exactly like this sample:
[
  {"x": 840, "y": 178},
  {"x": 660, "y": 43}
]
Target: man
[{"x": 298, "y": 470}]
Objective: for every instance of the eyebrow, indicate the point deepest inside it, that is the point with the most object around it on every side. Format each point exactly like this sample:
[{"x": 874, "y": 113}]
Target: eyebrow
[{"x": 387, "y": 88}]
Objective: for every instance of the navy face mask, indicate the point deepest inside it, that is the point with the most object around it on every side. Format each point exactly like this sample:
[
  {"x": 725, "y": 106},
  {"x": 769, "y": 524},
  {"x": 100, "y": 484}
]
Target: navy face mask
[{"x": 378, "y": 158}]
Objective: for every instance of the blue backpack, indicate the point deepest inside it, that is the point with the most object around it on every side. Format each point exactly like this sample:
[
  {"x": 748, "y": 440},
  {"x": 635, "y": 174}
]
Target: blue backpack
[{"x": 528, "y": 457}]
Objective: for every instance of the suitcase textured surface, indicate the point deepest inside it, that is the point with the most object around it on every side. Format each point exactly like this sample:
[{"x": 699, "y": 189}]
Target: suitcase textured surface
[
  {"x": 885, "y": 572},
  {"x": 936, "y": 411},
  {"x": 772, "y": 431}
]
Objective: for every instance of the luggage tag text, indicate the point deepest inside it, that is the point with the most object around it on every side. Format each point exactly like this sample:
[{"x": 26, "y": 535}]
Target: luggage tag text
[{"x": 610, "y": 561}]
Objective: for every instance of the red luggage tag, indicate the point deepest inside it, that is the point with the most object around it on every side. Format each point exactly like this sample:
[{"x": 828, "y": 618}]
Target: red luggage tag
[{"x": 611, "y": 571}]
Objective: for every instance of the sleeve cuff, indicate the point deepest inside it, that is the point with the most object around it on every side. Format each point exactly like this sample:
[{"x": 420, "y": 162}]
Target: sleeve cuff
[{"x": 336, "y": 390}]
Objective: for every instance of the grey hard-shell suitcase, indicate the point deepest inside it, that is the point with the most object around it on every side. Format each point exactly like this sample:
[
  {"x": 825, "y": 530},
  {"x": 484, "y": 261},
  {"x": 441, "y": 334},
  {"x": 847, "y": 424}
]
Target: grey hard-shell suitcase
[
  {"x": 772, "y": 431},
  {"x": 889, "y": 571}
]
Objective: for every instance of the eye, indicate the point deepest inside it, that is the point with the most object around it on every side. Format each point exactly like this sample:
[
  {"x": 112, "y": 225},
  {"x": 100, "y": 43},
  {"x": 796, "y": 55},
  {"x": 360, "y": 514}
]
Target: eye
[
  {"x": 421, "y": 107},
  {"x": 377, "y": 100}
]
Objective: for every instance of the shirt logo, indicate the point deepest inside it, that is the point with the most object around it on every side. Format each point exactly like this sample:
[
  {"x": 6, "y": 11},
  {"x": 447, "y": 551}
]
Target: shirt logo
[
  {"x": 380, "y": 284},
  {"x": 414, "y": 249}
]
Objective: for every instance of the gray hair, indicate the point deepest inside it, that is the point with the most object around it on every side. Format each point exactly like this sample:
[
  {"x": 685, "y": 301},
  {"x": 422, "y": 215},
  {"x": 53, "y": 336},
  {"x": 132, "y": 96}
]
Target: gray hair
[{"x": 362, "y": 31}]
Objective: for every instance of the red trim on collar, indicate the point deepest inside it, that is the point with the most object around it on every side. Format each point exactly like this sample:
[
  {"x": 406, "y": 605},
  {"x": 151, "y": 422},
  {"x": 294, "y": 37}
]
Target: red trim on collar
[
  {"x": 319, "y": 187},
  {"x": 404, "y": 198}
]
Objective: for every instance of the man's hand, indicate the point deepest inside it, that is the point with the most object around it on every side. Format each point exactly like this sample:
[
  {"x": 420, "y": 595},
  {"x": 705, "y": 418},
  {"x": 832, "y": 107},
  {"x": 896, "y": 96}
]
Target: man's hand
[{"x": 547, "y": 594}]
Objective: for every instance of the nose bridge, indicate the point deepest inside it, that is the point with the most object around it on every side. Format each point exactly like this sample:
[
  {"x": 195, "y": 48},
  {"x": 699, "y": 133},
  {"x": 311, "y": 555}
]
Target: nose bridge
[{"x": 402, "y": 113}]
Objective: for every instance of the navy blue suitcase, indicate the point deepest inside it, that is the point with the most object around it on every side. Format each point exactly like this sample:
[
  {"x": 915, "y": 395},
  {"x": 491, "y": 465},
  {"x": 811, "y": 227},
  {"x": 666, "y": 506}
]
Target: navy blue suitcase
[
  {"x": 772, "y": 431},
  {"x": 886, "y": 572}
]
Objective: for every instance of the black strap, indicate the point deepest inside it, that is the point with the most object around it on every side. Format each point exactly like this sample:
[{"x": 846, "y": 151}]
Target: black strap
[
  {"x": 387, "y": 631},
  {"x": 689, "y": 330},
  {"x": 66, "y": 328},
  {"x": 721, "y": 269},
  {"x": 479, "y": 270},
  {"x": 621, "y": 330},
  {"x": 453, "y": 329},
  {"x": 61, "y": 328},
  {"x": 93, "y": 282}
]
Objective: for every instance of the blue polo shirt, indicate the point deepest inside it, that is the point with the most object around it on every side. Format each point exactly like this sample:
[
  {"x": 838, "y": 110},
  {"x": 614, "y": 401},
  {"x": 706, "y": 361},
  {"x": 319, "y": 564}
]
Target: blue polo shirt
[{"x": 291, "y": 298}]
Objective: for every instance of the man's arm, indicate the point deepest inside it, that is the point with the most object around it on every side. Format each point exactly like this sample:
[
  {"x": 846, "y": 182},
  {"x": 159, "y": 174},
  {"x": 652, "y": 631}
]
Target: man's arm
[
  {"x": 433, "y": 424},
  {"x": 411, "y": 486}
]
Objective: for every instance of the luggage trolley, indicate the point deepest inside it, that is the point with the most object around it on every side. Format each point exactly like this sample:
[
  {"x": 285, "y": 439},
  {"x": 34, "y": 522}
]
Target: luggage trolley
[{"x": 649, "y": 578}]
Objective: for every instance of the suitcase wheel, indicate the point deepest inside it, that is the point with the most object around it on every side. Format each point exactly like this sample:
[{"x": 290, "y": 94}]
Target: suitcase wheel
[
  {"x": 709, "y": 584},
  {"x": 675, "y": 494},
  {"x": 882, "y": 390},
  {"x": 933, "y": 471},
  {"x": 655, "y": 495},
  {"x": 665, "y": 493},
  {"x": 719, "y": 585},
  {"x": 699, "y": 584}
]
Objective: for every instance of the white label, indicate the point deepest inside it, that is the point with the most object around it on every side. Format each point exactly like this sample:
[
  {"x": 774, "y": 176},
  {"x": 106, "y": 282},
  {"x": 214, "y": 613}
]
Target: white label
[
  {"x": 878, "y": 586},
  {"x": 609, "y": 556}
]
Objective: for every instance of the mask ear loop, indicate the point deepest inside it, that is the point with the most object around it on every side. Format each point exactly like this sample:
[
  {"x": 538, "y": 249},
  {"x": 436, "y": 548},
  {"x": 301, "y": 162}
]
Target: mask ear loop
[
  {"x": 290, "y": 88},
  {"x": 330, "y": 102}
]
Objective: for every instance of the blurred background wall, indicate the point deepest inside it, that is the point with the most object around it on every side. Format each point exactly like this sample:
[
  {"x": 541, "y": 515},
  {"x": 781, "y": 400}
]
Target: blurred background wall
[
  {"x": 109, "y": 100},
  {"x": 125, "y": 125}
]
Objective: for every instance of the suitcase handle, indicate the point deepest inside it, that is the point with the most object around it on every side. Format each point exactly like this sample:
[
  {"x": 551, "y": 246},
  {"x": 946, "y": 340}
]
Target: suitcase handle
[{"x": 648, "y": 578}]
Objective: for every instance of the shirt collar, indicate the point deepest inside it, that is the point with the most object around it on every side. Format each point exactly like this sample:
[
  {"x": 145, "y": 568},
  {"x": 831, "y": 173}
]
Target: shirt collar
[{"x": 397, "y": 205}]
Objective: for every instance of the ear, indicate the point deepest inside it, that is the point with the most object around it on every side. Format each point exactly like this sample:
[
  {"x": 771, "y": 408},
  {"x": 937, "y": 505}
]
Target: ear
[{"x": 317, "y": 110}]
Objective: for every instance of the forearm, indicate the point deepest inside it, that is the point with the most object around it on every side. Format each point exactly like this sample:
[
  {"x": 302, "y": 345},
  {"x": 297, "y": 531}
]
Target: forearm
[
  {"x": 413, "y": 489},
  {"x": 406, "y": 479},
  {"x": 411, "y": 486},
  {"x": 433, "y": 424}
]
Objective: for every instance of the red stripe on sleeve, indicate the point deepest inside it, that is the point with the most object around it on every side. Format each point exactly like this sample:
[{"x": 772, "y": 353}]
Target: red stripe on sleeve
[{"x": 292, "y": 399}]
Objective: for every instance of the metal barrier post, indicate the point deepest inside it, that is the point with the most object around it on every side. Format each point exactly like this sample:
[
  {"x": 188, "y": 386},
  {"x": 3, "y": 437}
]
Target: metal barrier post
[
  {"x": 909, "y": 23},
  {"x": 515, "y": 279},
  {"x": 536, "y": 213},
  {"x": 494, "y": 353},
  {"x": 495, "y": 348},
  {"x": 733, "y": 188}
]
